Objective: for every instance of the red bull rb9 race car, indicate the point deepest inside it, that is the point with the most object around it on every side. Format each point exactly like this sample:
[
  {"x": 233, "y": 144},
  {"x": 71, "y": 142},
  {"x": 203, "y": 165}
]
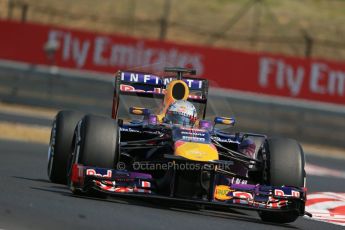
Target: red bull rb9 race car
[{"x": 158, "y": 144}]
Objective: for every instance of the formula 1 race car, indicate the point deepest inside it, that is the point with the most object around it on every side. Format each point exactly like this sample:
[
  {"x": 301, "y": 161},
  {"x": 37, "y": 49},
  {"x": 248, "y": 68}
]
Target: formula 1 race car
[{"x": 158, "y": 144}]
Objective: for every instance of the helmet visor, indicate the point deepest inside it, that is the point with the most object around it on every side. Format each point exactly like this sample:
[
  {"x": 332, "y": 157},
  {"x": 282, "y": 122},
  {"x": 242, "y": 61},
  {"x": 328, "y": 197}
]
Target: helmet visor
[{"x": 179, "y": 119}]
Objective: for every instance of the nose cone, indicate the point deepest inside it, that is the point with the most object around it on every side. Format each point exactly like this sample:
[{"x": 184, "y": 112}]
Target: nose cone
[{"x": 196, "y": 151}]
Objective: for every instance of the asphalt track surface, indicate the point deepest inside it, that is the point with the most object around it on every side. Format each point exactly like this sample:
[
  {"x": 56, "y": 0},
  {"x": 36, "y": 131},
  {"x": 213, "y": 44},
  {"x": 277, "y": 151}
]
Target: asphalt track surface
[{"x": 29, "y": 201}]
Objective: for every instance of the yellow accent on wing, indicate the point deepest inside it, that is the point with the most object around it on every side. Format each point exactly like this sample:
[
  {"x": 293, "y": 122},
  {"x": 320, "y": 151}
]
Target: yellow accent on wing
[
  {"x": 227, "y": 122},
  {"x": 197, "y": 151},
  {"x": 137, "y": 111}
]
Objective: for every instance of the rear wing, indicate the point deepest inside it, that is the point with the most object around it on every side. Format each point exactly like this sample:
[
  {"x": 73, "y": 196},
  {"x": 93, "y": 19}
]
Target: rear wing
[{"x": 141, "y": 84}]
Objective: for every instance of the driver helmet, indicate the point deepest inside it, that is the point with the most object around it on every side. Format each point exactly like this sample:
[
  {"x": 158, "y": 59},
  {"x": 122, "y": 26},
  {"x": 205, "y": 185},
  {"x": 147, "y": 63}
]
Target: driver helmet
[{"x": 181, "y": 112}]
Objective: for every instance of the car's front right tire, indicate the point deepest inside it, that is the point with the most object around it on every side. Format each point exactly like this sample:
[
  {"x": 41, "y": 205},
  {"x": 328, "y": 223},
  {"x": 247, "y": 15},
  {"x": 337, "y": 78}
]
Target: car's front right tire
[{"x": 96, "y": 144}]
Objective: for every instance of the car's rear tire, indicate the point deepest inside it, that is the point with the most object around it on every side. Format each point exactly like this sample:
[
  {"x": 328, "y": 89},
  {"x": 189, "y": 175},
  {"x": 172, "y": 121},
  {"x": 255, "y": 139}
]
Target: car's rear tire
[
  {"x": 99, "y": 142},
  {"x": 60, "y": 144},
  {"x": 286, "y": 167}
]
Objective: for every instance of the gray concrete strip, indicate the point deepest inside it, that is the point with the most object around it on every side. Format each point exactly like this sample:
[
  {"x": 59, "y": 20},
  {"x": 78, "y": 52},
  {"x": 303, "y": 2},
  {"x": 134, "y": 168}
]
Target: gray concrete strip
[
  {"x": 23, "y": 119},
  {"x": 27, "y": 111},
  {"x": 323, "y": 151},
  {"x": 24, "y": 132},
  {"x": 44, "y": 69},
  {"x": 277, "y": 100}
]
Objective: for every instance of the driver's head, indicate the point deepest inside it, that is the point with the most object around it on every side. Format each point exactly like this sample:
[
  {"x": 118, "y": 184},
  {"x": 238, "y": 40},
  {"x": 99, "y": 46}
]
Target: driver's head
[{"x": 181, "y": 112}]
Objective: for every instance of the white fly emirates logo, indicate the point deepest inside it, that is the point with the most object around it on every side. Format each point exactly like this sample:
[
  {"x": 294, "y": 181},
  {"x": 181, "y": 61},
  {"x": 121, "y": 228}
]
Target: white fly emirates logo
[
  {"x": 319, "y": 78},
  {"x": 104, "y": 51}
]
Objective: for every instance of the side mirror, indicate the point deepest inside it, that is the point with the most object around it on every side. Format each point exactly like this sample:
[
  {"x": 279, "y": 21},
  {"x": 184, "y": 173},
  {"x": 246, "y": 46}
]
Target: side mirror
[
  {"x": 224, "y": 121},
  {"x": 139, "y": 111}
]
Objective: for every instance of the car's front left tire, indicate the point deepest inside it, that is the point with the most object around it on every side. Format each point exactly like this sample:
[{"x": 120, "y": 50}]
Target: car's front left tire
[{"x": 285, "y": 167}]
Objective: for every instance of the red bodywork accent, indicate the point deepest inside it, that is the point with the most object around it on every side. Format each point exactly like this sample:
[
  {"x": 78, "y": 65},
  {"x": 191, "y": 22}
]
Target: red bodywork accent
[
  {"x": 178, "y": 144},
  {"x": 77, "y": 176}
]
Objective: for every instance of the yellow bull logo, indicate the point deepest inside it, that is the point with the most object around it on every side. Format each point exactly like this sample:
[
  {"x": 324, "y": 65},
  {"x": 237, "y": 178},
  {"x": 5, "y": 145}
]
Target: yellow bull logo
[
  {"x": 222, "y": 192},
  {"x": 196, "y": 151}
]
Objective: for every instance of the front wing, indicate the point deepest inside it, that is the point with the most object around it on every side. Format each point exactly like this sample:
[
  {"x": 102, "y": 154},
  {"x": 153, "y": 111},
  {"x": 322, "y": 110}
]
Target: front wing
[{"x": 245, "y": 196}]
